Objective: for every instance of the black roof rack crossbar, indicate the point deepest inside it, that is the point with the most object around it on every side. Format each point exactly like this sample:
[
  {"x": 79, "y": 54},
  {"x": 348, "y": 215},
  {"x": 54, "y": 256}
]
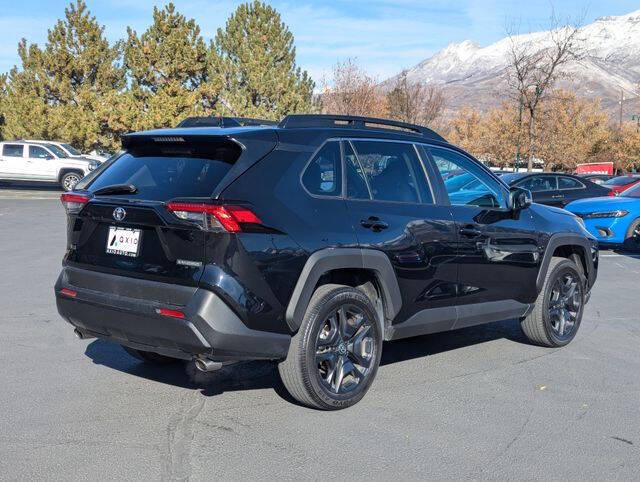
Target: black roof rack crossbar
[
  {"x": 354, "y": 122},
  {"x": 218, "y": 121}
]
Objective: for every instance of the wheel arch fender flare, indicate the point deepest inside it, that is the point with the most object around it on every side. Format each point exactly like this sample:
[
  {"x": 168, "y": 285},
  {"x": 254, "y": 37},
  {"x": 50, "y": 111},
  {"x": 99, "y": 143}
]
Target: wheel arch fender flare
[
  {"x": 329, "y": 259},
  {"x": 561, "y": 239},
  {"x": 63, "y": 171}
]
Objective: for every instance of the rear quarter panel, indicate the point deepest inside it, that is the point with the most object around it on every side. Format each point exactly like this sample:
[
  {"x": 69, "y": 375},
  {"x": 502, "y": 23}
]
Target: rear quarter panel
[{"x": 266, "y": 266}]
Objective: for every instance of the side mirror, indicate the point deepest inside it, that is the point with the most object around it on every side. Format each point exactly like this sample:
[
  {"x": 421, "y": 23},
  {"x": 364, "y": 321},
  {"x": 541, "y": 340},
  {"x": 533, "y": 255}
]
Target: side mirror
[{"x": 519, "y": 198}]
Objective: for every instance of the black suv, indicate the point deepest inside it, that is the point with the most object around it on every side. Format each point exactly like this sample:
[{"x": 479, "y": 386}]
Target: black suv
[{"x": 310, "y": 243}]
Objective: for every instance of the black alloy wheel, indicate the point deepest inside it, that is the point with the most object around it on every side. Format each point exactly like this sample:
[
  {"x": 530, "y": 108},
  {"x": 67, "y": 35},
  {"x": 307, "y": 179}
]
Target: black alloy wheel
[
  {"x": 345, "y": 349},
  {"x": 564, "y": 305}
]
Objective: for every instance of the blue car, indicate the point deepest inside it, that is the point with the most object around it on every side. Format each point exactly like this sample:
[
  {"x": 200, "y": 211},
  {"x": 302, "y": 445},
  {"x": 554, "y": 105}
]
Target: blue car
[{"x": 615, "y": 221}]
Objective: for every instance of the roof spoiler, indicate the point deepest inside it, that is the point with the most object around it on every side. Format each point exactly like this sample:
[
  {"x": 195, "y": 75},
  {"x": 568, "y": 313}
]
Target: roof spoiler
[
  {"x": 355, "y": 122},
  {"x": 218, "y": 121}
]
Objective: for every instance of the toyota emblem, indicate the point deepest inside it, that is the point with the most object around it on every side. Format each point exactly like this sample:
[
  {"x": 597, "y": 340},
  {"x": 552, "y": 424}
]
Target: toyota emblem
[{"x": 119, "y": 214}]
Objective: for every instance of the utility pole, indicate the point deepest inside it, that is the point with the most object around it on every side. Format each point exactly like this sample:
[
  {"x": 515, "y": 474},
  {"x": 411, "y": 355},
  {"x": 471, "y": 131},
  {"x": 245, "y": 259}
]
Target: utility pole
[{"x": 621, "y": 102}]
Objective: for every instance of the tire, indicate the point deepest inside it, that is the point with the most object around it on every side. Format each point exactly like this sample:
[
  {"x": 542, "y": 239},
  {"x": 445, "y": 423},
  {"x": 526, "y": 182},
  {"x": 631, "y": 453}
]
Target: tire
[
  {"x": 557, "y": 314},
  {"x": 150, "y": 357},
  {"x": 69, "y": 180},
  {"x": 334, "y": 357},
  {"x": 632, "y": 237}
]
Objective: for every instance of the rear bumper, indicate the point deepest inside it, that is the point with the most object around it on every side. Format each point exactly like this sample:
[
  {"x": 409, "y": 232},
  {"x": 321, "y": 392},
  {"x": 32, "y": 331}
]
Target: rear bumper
[{"x": 124, "y": 310}]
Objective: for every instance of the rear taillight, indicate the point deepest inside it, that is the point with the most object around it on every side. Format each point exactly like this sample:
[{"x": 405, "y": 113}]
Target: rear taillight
[
  {"x": 170, "y": 313},
  {"x": 215, "y": 217},
  {"x": 68, "y": 292},
  {"x": 73, "y": 202}
]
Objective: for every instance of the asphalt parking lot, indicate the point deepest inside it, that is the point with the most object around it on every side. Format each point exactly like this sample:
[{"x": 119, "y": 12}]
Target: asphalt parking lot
[{"x": 478, "y": 403}]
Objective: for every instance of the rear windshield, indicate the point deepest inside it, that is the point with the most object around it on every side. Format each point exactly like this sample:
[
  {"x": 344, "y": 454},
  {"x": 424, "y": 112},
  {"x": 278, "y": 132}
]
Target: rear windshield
[{"x": 160, "y": 178}]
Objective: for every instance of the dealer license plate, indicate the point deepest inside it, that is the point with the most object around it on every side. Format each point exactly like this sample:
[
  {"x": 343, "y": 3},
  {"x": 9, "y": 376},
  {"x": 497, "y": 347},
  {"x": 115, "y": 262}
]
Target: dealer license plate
[{"x": 123, "y": 241}]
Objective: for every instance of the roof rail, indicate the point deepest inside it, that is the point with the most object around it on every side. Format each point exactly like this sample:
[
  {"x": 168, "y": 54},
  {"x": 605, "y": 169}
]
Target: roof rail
[
  {"x": 355, "y": 122},
  {"x": 218, "y": 121}
]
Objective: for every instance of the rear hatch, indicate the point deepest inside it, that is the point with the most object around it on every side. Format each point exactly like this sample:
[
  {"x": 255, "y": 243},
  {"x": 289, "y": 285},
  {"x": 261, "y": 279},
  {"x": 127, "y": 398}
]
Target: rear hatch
[{"x": 135, "y": 216}]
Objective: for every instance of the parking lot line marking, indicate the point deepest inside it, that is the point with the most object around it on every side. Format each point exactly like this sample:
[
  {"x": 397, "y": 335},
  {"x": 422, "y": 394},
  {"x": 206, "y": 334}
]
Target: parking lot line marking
[{"x": 620, "y": 256}]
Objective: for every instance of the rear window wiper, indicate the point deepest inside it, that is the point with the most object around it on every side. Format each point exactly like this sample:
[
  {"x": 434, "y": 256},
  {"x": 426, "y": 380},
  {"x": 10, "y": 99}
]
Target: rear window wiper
[{"x": 116, "y": 189}]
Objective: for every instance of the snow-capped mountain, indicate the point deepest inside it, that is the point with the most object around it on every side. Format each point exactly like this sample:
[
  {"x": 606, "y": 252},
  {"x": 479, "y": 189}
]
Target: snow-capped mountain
[{"x": 475, "y": 76}]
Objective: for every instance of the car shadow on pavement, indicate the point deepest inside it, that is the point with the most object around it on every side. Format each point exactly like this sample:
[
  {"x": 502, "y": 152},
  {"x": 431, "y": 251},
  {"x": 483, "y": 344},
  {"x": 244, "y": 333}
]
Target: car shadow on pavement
[
  {"x": 249, "y": 375},
  {"x": 255, "y": 375},
  {"x": 30, "y": 186},
  {"x": 421, "y": 346}
]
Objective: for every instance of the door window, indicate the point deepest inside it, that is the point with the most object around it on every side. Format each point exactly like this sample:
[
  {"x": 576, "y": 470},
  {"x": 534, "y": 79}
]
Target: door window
[
  {"x": 392, "y": 171},
  {"x": 569, "y": 183},
  {"x": 539, "y": 183},
  {"x": 323, "y": 175},
  {"x": 465, "y": 182},
  {"x": 12, "y": 150},
  {"x": 39, "y": 153},
  {"x": 356, "y": 183}
]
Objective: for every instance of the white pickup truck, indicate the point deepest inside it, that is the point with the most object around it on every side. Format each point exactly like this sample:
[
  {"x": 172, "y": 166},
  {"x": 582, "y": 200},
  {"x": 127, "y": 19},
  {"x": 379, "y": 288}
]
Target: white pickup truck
[{"x": 42, "y": 162}]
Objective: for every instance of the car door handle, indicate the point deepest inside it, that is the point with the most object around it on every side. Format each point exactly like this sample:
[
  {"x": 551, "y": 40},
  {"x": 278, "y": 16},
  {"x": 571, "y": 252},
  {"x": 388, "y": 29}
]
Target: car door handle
[
  {"x": 470, "y": 232},
  {"x": 373, "y": 223}
]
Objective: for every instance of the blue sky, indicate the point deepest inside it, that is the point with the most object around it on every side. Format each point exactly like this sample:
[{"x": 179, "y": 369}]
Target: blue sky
[{"x": 384, "y": 36}]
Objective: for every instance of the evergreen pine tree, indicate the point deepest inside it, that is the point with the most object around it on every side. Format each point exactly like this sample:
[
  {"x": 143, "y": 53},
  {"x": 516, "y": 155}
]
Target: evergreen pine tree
[
  {"x": 255, "y": 56},
  {"x": 63, "y": 91},
  {"x": 167, "y": 66}
]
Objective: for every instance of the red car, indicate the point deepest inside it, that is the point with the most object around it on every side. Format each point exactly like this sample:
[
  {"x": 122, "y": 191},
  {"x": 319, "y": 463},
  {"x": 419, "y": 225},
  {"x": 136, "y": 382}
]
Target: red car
[{"x": 620, "y": 183}]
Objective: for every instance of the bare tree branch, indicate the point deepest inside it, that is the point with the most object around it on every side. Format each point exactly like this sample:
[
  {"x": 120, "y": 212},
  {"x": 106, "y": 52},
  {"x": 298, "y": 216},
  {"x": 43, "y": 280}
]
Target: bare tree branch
[
  {"x": 536, "y": 64},
  {"x": 416, "y": 103},
  {"x": 352, "y": 92}
]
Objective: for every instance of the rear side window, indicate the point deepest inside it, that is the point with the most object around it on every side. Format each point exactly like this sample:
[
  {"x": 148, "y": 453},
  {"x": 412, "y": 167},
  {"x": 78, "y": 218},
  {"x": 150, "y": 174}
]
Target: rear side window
[
  {"x": 164, "y": 177},
  {"x": 569, "y": 183},
  {"x": 12, "y": 150},
  {"x": 393, "y": 171},
  {"x": 539, "y": 183},
  {"x": 356, "y": 183},
  {"x": 323, "y": 175}
]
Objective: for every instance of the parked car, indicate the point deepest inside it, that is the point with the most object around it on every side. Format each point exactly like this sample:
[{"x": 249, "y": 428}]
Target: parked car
[
  {"x": 310, "y": 243},
  {"x": 42, "y": 162},
  {"x": 597, "y": 178},
  {"x": 614, "y": 221},
  {"x": 71, "y": 151},
  {"x": 620, "y": 183},
  {"x": 554, "y": 189}
]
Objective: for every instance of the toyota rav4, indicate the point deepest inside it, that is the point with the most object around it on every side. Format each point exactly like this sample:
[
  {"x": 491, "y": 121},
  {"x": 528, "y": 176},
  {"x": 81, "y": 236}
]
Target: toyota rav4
[{"x": 310, "y": 243}]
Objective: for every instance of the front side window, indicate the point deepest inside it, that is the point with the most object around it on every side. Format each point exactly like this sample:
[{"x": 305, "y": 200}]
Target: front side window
[
  {"x": 569, "y": 183},
  {"x": 465, "y": 182},
  {"x": 12, "y": 150},
  {"x": 39, "y": 153},
  {"x": 393, "y": 171},
  {"x": 539, "y": 183},
  {"x": 323, "y": 175}
]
